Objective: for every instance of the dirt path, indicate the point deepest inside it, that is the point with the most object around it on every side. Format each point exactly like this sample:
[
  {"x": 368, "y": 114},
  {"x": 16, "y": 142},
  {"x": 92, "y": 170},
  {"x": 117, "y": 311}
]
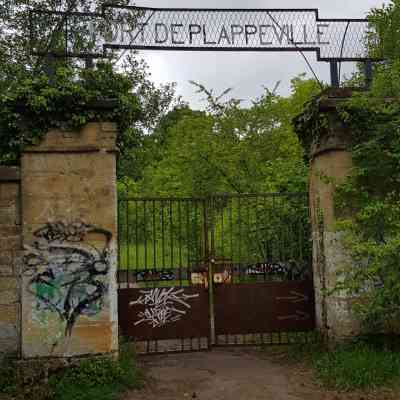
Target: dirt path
[{"x": 233, "y": 375}]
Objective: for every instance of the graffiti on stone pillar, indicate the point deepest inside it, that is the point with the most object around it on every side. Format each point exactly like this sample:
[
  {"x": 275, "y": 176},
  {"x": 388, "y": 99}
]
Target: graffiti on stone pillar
[{"x": 67, "y": 275}]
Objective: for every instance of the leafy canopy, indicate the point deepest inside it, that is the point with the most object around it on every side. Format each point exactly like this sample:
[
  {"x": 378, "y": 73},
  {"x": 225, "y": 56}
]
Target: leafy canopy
[
  {"x": 69, "y": 96},
  {"x": 229, "y": 148}
]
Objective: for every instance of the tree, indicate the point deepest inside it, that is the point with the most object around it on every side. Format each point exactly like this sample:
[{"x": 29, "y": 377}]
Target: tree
[
  {"x": 19, "y": 66},
  {"x": 229, "y": 148}
]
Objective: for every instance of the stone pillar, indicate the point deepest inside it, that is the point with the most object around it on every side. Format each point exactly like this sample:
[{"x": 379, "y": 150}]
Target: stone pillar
[
  {"x": 331, "y": 163},
  {"x": 10, "y": 256},
  {"x": 69, "y": 222}
]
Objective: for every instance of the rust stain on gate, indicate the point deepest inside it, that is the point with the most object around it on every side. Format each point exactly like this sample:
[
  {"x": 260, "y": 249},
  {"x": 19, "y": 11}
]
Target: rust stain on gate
[{"x": 230, "y": 269}]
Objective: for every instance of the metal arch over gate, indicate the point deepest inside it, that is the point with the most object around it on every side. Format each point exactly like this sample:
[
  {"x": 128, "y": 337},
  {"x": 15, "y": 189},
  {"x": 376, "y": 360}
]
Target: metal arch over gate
[
  {"x": 129, "y": 27},
  {"x": 184, "y": 29},
  {"x": 140, "y": 28},
  {"x": 226, "y": 270}
]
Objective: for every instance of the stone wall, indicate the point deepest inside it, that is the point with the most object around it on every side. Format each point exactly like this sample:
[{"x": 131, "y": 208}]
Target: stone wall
[
  {"x": 10, "y": 256},
  {"x": 69, "y": 219}
]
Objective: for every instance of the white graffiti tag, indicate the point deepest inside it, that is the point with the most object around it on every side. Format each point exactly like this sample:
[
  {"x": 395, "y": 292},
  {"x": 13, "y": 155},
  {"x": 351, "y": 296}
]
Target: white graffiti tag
[{"x": 162, "y": 306}]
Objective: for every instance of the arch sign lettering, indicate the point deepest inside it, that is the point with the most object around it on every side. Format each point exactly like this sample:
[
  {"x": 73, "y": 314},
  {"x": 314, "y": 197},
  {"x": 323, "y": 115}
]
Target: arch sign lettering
[{"x": 137, "y": 28}]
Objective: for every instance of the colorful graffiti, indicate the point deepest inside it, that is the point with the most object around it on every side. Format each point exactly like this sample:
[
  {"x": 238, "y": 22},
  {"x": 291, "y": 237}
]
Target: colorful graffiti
[
  {"x": 66, "y": 275},
  {"x": 163, "y": 306}
]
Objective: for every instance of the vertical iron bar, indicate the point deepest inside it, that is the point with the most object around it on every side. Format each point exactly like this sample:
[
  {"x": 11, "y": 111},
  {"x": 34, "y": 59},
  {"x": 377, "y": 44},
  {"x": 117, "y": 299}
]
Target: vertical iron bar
[
  {"x": 223, "y": 255},
  {"x": 171, "y": 232},
  {"x": 240, "y": 233},
  {"x": 231, "y": 228},
  {"x": 188, "y": 250},
  {"x": 335, "y": 80},
  {"x": 145, "y": 232},
  {"x": 128, "y": 245},
  {"x": 196, "y": 233},
  {"x": 211, "y": 227},
  {"x": 207, "y": 259},
  {"x": 137, "y": 235},
  {"x": 180, "y": 241},
  {"x": 154, "y": 237},
  {"x": 247, "y": 231},
  {"x": 119, "y": 244},
  {"x": 162, "y": 234},
  {"x": 368, "y": 74}
]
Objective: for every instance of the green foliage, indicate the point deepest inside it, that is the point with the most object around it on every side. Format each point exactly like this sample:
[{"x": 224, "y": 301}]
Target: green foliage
[
  {"x": 368, "y": 202},
  {"x": 356, "y": 366},
  {"x": 101, "y": 379},
  {"x": 140, "y": 103},
  {"x": 33, "y": 106},
  {"x": 384, "y": 38},
  {"x": 372, "y": 195},
  {"x": 8, "y": 378},
  {"x": 230, "y": 148}
]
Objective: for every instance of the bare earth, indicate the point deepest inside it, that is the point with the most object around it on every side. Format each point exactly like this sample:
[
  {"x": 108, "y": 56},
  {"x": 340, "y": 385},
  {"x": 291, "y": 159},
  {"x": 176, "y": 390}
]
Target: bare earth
[{"x": 235, "y": 375}]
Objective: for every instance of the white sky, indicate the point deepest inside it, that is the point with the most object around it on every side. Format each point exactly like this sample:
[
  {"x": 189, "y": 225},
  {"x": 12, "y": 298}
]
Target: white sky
[{"x": 246, "y": 73}]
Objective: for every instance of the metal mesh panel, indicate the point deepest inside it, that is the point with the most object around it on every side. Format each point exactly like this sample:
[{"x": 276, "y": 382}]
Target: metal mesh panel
[{"x": 205, "y": 29}]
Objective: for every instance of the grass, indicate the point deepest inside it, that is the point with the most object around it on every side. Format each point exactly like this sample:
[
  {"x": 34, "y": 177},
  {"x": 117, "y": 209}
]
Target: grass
[
  {"x": 8, "y": 378},
  {"x": 139, "y": 257},
  {"x": 364, "y": 365},
  {"x": 100, "y": 379},
  {"x": 357, "y": 366},
  {"x": 354, "y": 366}
]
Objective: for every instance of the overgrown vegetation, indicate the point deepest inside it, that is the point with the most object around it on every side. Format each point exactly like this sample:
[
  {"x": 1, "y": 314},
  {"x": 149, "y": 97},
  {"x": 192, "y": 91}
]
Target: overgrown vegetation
[
  {"x": 228, "y": 148},
  {"x": 70, "y": 99},
  {"x": 366, "y": 364},
  {"x": 369, "y": 201},
  {"x": 100, "y": 379},
  {"x": 356, "y": 366},
  {"x": 373, "y": 190},
  {"x": 32, "y": 102}
]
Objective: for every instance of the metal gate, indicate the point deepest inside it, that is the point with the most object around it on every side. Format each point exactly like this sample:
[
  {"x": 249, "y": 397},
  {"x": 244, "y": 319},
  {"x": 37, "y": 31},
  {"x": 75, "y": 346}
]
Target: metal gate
[{"x": 223, "y": 270}]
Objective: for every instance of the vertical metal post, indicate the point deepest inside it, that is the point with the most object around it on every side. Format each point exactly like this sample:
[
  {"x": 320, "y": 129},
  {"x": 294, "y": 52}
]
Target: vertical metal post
[
  {"x": 49, "y": 66},
  {"x": 89, "y": 64},
  {"x": 368, "y": 74},
  {"x": 335, "y": 79},
  {"x": 208, "y": 225}
]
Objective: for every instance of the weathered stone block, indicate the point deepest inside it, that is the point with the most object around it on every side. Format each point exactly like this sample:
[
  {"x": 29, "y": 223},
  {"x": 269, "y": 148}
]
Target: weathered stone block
[
  {"x": 9, "y": 314},
  {"x": 9, "y": 290},
  {"x": 9, "y": 230},
  {"x": 10, "y": 243},
  {"x": 6, "y": 270},
  {"x": 9, "y": 190}
]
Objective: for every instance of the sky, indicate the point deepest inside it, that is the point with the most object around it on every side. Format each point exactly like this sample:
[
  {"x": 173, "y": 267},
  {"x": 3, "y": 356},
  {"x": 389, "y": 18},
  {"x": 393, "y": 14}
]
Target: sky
[{"x": 246, "y": 73}]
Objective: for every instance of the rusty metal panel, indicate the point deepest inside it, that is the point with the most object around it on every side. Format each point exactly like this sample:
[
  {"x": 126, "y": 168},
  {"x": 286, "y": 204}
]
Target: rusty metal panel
[
  {"x": 164, "y": 313},
  {"x": 264, "y": 307}
]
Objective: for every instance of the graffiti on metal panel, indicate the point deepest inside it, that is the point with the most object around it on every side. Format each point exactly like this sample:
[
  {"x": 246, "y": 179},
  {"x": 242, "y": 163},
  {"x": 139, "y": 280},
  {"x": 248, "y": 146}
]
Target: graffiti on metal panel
[
  {"x": 285, "y": 270},
  {"x": 154, "y": 275},
  {"x": 163, "y": 306},
  {"x": 68, "y": 276}
]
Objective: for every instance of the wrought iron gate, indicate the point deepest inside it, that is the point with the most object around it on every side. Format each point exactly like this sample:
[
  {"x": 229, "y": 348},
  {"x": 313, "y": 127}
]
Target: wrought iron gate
[{"x": 224, "y": 270}]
